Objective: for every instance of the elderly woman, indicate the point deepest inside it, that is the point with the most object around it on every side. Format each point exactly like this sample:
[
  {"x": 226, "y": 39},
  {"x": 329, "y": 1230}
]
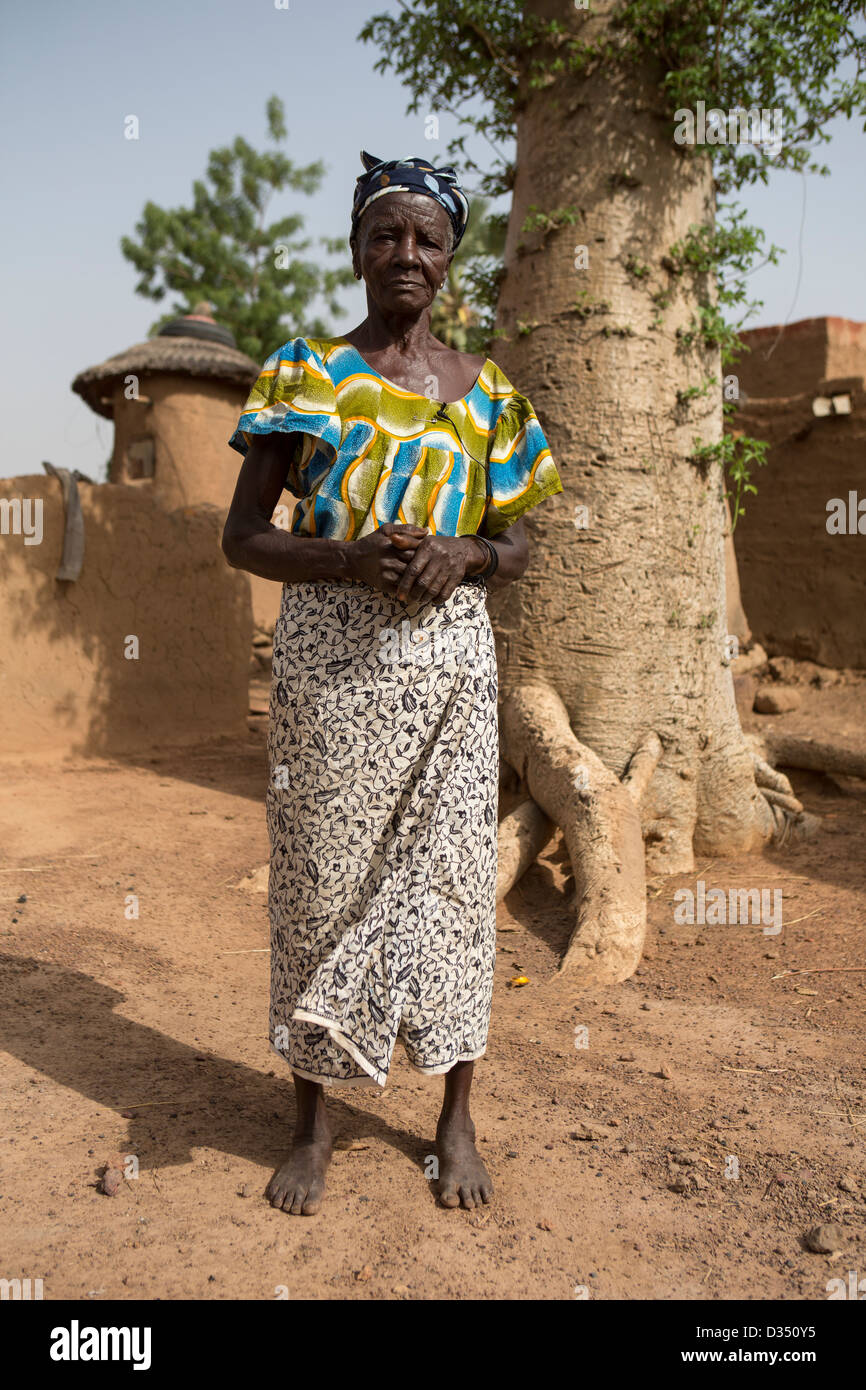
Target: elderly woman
[{"x": 413, "y": 464}]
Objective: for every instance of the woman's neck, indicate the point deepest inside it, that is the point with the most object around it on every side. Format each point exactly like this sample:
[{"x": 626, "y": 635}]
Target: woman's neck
[{"x": 407, "y": 335}]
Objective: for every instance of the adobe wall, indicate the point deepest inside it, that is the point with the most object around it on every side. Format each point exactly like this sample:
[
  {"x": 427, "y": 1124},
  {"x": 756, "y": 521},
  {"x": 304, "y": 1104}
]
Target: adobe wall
[
  {"x": 65, "y": 683},
  {"x": 804, "y": 590},
  {"x": 800, "y": 355},
  {"x": 191, "y": 421}
]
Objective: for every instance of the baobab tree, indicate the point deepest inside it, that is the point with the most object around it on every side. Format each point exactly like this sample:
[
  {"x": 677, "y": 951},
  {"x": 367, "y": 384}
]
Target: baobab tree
[{"x": 622, "y": 266}]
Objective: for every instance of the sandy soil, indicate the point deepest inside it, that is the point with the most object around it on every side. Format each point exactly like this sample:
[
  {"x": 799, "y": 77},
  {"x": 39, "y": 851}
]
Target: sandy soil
[{"x": 147, "y": 1037}]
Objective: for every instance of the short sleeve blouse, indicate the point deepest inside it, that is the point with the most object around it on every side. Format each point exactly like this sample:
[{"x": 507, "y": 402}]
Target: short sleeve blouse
[{"x": 372, "y": 452}]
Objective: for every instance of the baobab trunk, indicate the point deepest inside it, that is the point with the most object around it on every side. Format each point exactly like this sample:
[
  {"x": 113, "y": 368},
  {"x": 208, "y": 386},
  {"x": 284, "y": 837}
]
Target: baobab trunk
[{"x": 621, "y": 614}]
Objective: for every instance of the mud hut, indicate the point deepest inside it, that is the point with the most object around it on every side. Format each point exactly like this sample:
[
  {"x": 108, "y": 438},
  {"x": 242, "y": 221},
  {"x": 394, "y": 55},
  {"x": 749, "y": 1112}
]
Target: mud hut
[{"x": 174, "y": 400}]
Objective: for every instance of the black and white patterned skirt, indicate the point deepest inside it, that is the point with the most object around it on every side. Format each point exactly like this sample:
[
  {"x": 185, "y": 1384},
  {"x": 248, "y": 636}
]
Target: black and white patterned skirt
[{"x": 382, "y": 815}]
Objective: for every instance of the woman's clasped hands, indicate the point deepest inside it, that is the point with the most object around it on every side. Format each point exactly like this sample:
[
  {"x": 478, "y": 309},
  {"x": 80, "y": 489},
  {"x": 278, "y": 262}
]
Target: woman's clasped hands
[{"x": 411, "y": 563}]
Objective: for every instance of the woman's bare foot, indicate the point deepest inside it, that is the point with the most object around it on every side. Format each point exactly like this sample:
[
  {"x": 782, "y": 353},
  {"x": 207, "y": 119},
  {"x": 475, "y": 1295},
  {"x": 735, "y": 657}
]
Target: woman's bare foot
[
  {"x": 463, "y": 1178},
  {"x": 299, "y": 1185}
]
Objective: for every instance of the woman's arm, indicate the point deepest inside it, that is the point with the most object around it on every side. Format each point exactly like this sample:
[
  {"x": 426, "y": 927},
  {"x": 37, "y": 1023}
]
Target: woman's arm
[
  {"x": 250, "y": 541},
  {"x": 512, "y": 548}
]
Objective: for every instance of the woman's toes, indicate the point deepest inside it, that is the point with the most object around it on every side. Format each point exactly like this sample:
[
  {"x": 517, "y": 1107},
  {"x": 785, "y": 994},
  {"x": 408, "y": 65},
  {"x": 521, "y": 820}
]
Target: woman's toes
[
  {"x": 466, "y": 1198},
  {"x": 313, "y": 1199}
]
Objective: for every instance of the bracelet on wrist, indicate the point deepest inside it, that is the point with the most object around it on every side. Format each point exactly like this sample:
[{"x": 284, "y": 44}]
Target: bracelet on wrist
[{"x": 492, "y": 558}]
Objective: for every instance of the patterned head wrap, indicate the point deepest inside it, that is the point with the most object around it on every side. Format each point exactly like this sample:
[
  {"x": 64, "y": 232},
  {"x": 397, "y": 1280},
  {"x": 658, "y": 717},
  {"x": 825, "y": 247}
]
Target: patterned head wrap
[{"x": 411, "y": 175}]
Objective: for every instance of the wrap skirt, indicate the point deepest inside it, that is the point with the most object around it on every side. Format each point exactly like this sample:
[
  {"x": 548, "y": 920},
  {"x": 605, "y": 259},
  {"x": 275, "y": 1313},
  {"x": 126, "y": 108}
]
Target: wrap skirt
[{"x": 382, "y": 803}]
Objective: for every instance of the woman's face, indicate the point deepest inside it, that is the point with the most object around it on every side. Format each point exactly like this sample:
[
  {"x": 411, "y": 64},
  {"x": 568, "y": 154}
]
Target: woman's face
[{"x": 403, "y": 251}]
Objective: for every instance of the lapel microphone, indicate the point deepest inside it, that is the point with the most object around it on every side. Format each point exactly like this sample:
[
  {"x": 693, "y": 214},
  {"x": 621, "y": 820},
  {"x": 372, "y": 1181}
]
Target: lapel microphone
[{"x": 442, "y": 414}]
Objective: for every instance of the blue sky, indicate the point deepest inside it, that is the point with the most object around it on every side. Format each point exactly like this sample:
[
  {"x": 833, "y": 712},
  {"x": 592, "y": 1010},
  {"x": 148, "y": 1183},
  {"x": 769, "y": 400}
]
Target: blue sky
[{"x": 196, "y": 74}]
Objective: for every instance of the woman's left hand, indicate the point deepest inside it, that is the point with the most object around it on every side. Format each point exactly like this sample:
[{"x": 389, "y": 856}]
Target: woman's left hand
[{"x": 436, "y": 568}]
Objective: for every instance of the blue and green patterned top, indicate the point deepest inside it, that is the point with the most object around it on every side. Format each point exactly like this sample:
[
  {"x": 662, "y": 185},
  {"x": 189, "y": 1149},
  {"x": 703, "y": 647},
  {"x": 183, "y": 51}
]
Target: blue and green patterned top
[{"x": 373, "y": 452}]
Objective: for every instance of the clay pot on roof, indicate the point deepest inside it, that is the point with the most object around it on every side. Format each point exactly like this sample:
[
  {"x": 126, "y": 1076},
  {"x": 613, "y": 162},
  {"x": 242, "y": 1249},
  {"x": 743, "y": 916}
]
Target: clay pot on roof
[{"x": 175, "y": 400}]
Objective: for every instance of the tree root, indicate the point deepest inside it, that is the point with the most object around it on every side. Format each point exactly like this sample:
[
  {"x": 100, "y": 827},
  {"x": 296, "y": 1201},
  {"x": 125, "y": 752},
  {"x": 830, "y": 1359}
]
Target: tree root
[
  {"x": 643, "y": 764},
  {"x": 766, "y": 777},
  {"x": 570, "y": 787},
  {"x": 523, "y": 833},
  {"x": 601, "y": 827},
  {"x": 790, "y": 822},
  {"x": 785, "y": 803},
  {"x": 811, "y": 755}
]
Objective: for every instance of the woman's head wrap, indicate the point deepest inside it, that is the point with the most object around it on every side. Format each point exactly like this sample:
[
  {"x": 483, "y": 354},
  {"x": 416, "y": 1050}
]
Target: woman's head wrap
[{"x": 412, "y": 175}]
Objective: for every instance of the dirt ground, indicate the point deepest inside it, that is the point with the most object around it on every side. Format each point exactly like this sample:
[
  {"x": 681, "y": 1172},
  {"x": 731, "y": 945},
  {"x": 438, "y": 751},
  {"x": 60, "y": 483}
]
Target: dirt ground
[{"x": 720, "y": 1095}]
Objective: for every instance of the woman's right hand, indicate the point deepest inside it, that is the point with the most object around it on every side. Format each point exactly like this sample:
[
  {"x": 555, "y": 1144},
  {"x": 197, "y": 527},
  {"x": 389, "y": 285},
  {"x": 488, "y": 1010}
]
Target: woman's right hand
[{"x": 380, "y": 561}]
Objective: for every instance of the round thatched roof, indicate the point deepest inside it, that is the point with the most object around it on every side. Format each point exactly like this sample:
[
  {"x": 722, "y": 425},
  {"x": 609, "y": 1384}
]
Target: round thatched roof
[{"x": 181, "y": 356}]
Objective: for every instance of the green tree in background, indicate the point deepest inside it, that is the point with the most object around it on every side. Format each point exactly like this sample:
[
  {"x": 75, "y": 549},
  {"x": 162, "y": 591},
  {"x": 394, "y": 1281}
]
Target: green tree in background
[
  {"x": 464, "y": 312},
  {"x": 255, "y": 274}
]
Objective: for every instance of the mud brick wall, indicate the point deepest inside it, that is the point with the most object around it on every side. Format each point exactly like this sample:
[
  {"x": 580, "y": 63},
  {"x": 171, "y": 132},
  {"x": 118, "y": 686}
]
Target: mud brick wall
[
  {"x": 66, "y": 685},
  {"x": 795, "y": 359},
  {"x": 804, "y": 589}
]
